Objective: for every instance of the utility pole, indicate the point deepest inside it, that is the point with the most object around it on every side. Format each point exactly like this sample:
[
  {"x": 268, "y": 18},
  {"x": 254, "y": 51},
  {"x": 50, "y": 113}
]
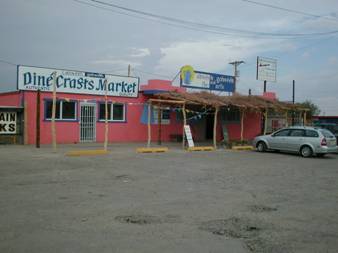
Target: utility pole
[
  {"x": 129, "y": 70},
  {"x": 37, "y": 142},
  {"x": 236, "y": 74}
]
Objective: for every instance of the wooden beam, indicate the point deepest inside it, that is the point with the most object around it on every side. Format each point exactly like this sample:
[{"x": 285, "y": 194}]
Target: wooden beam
[
  {"x": 25, "y": 122},
  {"x": 149, "y": 124},
  {"x": 215, "y": 127},
  {"x": 265, "y": 120},
  {"x": 38, "y": 121},
  {"x": 159, "y": 124},
  {"x": 242, "y": 123},
  {"x": 53, "y": 112},
  {"x": 166, "y": 101},
  {"x": 105, "y": 146},
  {"x": 184, "y": 123}
]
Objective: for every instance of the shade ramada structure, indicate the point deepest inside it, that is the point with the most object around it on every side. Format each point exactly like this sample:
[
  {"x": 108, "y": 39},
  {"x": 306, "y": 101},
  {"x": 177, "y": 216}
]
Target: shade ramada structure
[{"x": 211, "y": 100}]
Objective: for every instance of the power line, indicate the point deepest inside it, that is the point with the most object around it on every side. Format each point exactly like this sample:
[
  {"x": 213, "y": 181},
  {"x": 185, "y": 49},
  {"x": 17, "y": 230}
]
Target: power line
[
  {"x": 7, "y": 62},
  {"x": 150, "y": 73},
  {"x": 291, "y": 10},
  {"x": 199, "y": 26}
]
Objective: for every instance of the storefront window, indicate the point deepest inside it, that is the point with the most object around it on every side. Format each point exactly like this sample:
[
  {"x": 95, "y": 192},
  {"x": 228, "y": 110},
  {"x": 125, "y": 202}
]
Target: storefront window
[
  {"x": 65, "y": 110},
  {"x": 116, "y": 112}
]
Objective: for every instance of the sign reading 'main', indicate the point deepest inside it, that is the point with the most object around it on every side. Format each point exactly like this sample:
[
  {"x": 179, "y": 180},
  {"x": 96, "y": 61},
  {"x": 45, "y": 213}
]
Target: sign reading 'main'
[{"x": 70, "y": 81}]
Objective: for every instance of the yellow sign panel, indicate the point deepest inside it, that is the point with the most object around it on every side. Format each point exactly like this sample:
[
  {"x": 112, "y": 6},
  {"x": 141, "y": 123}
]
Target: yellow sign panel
[{"x": 187, "y": 74}]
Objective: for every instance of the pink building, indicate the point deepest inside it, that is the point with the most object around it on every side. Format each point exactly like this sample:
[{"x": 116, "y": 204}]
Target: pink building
[{"x": 80, "y": 116}]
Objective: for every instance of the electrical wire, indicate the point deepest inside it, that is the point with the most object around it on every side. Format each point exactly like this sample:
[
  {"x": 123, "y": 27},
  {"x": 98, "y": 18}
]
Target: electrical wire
[
  {"x": 150, "y": 73},
  {"x": 7, "y": 62},
  {"x": 291, "y": 10},
  {"x": 199, "y": 26}
]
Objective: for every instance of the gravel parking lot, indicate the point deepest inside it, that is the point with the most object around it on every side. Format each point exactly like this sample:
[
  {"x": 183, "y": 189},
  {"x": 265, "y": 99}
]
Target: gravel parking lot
[{"x": 221, "y": 201}]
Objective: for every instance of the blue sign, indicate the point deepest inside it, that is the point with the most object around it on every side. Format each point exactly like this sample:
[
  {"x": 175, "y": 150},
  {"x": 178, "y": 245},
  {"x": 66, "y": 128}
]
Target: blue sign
[{"x": 208, "y": 81}]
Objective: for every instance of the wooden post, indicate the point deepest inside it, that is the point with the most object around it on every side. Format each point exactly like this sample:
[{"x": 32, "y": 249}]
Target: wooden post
[
  {"x": 149, "y": 124},
  {"x": 159, "y": 124},
  {"x": 184, "y": 123},
  {"x": 265, "y": 121},
  {"x": 53, "y": 112},
  {"x": 106, "y": 115},
  {"x": 242, "y": 123},
  {"x": 37, "y": 130},
  {"x": 25, "y": 123},
  {"x": 304, "y": 120},
  {"x": 286, "y": 119},
  {"x": 215, "y": 127}
]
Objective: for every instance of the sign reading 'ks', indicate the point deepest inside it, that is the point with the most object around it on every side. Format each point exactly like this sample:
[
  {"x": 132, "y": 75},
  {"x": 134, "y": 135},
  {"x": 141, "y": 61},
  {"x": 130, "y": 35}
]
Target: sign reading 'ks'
[{"x": 7, "y": 122}]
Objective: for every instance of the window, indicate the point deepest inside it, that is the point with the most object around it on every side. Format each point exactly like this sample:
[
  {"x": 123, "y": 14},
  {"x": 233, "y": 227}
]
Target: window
[
  {"x": 297, "y": 133},
  {"x": 166, "y": 114},
  {"x": 326, "y": 133},
  {"x": 116, "y": 112},
  {"x": 165, "y": 119},
  {"x": 65, "y": 110},
  {"x": 311, "y": 133},
  {"x": 282, "y": 133}
]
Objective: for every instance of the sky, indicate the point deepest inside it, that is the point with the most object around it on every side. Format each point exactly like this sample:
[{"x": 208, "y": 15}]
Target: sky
[{"x": 92, "y": 36}]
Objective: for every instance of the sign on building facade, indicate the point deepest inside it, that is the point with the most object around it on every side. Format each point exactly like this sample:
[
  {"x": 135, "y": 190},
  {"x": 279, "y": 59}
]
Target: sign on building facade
[
  {"x": 8, "y": 122},
  {"x": 71, "y": 81},
  {"x": 204, "y": 80}
]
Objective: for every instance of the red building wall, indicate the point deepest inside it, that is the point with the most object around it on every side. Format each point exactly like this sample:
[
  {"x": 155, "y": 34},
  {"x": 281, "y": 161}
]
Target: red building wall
[
  {"x": 252, "y": 127},
  {"x": 130, "y": 131}
]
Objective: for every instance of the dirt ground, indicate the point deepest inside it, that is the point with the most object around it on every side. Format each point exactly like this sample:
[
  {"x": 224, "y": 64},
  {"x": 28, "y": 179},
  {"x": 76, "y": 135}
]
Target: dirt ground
[{"x": 221, "y": 201}]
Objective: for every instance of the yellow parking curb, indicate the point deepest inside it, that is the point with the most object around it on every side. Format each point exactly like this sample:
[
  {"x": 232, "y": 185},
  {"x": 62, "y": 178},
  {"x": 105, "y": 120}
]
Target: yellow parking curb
[
  {"x": 152, "y": 150},
  {"x": 242, "y": 148},
  {"x": 205, "y": 148},
  {"x": 87, "y": 152}
]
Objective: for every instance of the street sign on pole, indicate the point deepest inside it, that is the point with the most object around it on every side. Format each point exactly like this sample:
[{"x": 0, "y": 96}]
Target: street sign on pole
[{"x": 266, "y": 69}]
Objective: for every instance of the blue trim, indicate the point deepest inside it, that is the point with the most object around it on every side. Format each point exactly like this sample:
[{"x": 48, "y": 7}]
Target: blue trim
[
  {"x": 153, "y": 92},
  {"x": 61, "y": 120}
]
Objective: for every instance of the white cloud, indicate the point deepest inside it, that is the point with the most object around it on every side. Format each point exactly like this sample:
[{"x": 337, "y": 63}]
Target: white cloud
[
  {"x": 140, "y": 52},
  {"x": 211, "y": 55},
  {"x": 115, "y": 62}
]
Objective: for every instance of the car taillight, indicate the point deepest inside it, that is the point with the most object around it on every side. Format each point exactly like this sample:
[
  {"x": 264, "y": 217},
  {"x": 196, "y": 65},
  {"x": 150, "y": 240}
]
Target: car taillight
[{"x": 323, "y": 142}]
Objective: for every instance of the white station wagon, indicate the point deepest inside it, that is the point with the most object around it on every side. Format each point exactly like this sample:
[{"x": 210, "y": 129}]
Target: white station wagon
[{"x": 307, "y": 141}]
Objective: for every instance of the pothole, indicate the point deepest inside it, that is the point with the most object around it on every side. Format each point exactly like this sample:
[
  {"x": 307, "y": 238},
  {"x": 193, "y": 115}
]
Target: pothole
[
  {"x": 233, "y": 227},
  {"x": 252, "y": 232},
  {"x": 138, "y": 219},
  {"x": 124, "y": 178},
  {"x": 262, "y": 208}
]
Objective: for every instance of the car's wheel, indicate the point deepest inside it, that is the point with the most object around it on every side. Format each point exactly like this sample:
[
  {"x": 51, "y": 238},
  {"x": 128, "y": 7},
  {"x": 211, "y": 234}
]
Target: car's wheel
[
  {"x": 306, "y": 151},
  {"x": 321, "y": 155},
  {"x": 261, "y": 147}
]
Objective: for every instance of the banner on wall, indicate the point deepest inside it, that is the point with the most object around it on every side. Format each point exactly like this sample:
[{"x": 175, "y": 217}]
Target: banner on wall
[
  {"x": 72, "y": 81},
  {"x": 191, "y": 78},
  {"x": 8, "y": 122}
]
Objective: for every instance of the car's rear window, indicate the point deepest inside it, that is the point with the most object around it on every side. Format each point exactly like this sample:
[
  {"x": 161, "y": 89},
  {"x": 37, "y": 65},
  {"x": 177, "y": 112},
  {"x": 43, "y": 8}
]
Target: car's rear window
[
  {"x": 311, "y": 133},
  {"x": 326, "y": 133}
]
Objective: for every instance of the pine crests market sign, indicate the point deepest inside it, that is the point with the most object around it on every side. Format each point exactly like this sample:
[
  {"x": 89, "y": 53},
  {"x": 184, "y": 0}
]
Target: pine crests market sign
[
  {"x": 7, "y": 122},
  {"x": 71, "y": 81}
]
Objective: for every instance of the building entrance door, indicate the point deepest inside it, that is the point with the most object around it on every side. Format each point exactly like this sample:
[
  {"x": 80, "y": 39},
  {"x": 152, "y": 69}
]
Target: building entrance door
[{"x": 87, "y": 122}]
